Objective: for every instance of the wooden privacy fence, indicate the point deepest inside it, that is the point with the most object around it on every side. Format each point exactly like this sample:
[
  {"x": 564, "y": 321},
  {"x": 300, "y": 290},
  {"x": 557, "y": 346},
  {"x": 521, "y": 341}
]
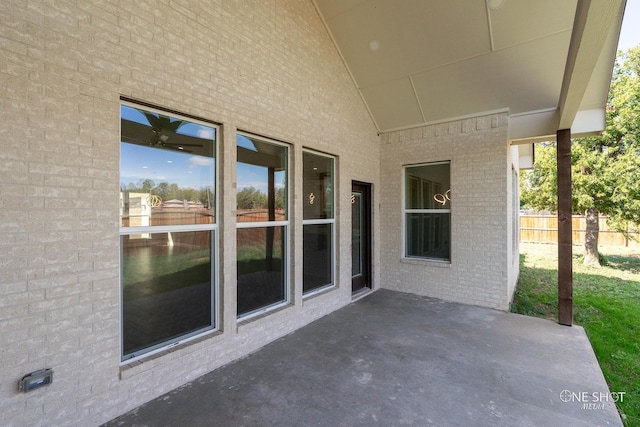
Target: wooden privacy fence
[{"x": 544, "y": 229}]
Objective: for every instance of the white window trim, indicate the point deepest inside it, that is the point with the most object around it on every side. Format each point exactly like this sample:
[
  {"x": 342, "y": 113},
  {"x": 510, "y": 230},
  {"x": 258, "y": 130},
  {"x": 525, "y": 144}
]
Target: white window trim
[
  {"x": 287, "y": 293},
  {"x": 216, "y": 309},
  {"x": 318, "y": 221},
  {"x": 333, "y": 256},
  {"x": 167, "y": 229},
  {"x": 405, "y": 211},
  {"x": 331, "y": 221},
  {"x": 259, "y": 224}
]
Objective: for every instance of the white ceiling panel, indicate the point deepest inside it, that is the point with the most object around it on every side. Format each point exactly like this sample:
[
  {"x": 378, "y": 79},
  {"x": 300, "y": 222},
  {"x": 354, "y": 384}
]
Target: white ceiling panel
[
  {"x": 355, "y": 30},
  {"x": 509, "y": 78},
  {"x": 519, "y": 21},
  {"x": 434, "y": 33},
  {"x": 332, "y": 8},
  {"x": 421, "y": 61},
  {"x": 411, "y": 36},
  {"x": 393, "y": 104}
]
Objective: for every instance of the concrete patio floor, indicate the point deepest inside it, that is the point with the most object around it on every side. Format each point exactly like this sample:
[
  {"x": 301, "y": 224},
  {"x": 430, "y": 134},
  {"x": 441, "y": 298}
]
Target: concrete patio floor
[{"x": 393, "y": 359}]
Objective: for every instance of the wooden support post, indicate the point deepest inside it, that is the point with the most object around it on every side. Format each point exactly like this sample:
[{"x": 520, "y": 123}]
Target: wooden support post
[{"x": 565, "y": 248}]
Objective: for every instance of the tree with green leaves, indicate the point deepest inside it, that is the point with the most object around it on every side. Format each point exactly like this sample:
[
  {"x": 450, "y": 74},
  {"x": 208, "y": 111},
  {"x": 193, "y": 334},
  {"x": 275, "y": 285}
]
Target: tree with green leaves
[
  {"x": 605, "y": 168},
  {"x": 147, "y": 185},
  {"x": 251, "y": 198}
]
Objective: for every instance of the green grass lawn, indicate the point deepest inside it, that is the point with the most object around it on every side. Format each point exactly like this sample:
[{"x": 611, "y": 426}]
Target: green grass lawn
[
  {"x": 148, "y": 273},
  {"x": 606, "y": 303}
]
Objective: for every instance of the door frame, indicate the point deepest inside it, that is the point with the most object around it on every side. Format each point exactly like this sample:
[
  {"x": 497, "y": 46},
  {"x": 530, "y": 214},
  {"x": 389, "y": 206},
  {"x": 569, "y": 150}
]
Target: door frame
[{"x": 364, "y": 281}]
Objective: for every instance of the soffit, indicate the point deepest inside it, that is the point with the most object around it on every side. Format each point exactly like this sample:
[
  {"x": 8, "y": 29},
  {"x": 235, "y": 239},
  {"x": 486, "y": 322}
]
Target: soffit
[{"x": 417, "y": 62}]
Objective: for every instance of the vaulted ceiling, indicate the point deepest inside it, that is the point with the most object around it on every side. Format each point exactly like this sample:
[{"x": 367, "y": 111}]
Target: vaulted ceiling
[{"x": 417, "y": 62}]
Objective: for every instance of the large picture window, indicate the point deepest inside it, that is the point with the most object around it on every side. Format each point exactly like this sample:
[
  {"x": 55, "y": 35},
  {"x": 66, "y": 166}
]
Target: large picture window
[
  {"x": 262, "y": 224},
  {"x": 318, "y": 222},
  {"x": 167, "y": 229},
  {"x": 427, "y": 211}
]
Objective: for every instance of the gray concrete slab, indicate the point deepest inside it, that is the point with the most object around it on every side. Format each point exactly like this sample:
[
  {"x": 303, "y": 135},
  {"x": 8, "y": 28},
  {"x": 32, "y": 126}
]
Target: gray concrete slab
[{"x": 395, "y": 359}]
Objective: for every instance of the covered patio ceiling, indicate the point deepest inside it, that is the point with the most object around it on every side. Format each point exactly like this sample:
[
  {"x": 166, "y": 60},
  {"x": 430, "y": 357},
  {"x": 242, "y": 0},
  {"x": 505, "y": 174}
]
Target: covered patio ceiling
[{"x": 548, "y": 63}]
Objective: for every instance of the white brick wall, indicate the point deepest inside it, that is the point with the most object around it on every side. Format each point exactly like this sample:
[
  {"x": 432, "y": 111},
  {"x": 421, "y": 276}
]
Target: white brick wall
[
  {"x": 480, "y": 221},
  {"x": 513, "y": 259},
  {"x": 264, "y": 66}
]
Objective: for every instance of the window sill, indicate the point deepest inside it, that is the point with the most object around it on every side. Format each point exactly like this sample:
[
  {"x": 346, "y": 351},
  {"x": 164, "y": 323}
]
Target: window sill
[
  {"x": 146, "y": 363},
  {"x": 426, "y": 262},
  {"x": 262, "y": 313},
  {"x": 317, "y": 292}
]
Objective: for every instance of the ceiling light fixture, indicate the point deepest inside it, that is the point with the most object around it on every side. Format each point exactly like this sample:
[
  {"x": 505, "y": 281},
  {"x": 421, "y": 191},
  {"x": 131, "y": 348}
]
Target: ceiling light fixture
[{"x": 374, "y": 45}]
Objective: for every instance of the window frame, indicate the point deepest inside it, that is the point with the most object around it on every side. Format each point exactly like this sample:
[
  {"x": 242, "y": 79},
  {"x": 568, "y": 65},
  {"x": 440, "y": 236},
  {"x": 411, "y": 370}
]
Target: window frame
[
  {"x": 331, "y": 221},
  {"x": 406, "y": 211},
  {"x": 515, "y": 215},
  {"x": 215, "y": 307},
  {"x": 266, "y": 224}
]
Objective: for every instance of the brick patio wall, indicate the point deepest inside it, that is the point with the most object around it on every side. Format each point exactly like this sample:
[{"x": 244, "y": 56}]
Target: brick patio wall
[
  {"x": 480, "y": 265},
  {"x": 266, "y": 67}
]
